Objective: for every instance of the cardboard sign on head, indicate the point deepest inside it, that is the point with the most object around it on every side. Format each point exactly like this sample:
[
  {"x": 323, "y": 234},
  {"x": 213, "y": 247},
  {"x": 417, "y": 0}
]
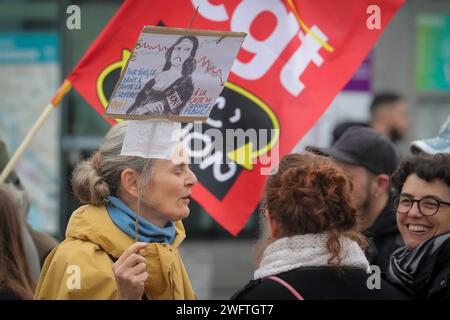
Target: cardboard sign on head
[{"x": 174, "y": 74}]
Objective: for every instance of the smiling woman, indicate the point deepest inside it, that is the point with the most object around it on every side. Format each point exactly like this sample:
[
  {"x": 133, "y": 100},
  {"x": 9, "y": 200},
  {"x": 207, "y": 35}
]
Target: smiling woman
[
  {"x": 422, "y": 203},
  {"x": 119, "y": 190}
]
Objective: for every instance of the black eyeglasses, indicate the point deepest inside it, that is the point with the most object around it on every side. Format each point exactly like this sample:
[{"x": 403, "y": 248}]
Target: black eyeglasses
[{"x": 428, "y": 206}]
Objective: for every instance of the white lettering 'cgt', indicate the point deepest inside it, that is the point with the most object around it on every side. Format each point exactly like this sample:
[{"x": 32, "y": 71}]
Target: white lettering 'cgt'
[
  {"x": 266, "y": 52},
  {"x": 297, "y": 64}
]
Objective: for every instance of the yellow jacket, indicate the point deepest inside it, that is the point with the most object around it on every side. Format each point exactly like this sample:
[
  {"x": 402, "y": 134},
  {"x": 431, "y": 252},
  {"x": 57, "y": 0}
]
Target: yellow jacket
[{"x": 81, "y": 266}]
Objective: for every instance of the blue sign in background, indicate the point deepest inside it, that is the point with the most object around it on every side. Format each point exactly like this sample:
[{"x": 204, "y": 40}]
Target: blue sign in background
[{"x": 24, "y": 48}]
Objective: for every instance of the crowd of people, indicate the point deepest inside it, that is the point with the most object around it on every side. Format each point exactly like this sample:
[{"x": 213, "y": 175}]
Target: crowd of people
[{"x": 331, "y": 215}]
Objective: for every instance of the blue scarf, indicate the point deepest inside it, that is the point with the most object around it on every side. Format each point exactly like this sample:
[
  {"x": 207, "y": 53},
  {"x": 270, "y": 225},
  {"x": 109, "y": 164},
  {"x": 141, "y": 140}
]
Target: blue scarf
[{"x": 124, "y": 218}]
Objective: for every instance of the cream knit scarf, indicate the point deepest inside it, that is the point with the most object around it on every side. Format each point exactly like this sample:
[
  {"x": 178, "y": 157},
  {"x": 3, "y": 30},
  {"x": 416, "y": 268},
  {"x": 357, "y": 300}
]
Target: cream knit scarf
[{"x": 308, "y": 250}]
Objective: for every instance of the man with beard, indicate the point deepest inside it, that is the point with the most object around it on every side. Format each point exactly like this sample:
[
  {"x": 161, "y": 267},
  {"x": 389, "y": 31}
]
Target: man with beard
[
  {"x": 388, "y": 115},
  {"x": 370, "y": 158}
]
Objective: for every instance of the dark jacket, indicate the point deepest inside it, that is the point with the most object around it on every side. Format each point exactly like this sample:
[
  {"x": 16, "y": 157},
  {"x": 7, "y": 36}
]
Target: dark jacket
[
  {"x": 319, "y": 283},
  {"x": 423, "y": 272},
  {"x": 384, "y": 238},
  {"x": 7, "y": 294}
]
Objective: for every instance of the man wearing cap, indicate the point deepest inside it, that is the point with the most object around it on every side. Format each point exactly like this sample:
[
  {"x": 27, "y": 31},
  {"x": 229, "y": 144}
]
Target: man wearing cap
[
  {"x": 370, "y": 159},
  {"x": 439, "y": 144}
]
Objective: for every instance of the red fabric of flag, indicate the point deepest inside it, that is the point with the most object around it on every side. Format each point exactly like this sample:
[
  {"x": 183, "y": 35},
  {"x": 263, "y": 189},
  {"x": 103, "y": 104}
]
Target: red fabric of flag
[
  {"x": 285, "y": 76},
  {"x": 296, "y": 72}
]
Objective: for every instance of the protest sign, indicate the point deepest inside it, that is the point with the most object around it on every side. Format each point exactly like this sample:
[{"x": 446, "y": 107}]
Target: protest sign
[{"x": 175, "y": 74}]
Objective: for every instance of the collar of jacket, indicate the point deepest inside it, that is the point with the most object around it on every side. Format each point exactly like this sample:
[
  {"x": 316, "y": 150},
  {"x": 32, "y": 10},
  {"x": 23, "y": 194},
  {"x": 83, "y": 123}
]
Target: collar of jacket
[
  {"x": 93, "y": 224},
  {"x": 417, "y": 270},
  {"x": 168, "y": 278}
]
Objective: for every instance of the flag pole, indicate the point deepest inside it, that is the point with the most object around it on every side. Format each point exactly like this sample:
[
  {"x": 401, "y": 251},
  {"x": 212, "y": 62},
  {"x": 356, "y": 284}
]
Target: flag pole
[{"x": 62, "y": 91}]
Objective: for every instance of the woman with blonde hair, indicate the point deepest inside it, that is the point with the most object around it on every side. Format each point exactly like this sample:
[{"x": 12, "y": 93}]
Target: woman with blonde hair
[
  {"x": 314, "y": 248},
  {"x": 99, "y": 259}
]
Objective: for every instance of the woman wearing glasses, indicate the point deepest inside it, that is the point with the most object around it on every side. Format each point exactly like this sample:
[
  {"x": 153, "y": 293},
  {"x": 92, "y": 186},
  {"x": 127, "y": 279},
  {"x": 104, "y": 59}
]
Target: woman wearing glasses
[{"x": 422, "y": 267}]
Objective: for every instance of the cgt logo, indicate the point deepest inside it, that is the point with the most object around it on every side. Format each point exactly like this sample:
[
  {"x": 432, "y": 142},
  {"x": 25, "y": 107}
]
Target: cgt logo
[{"x": 241, "y": 131}]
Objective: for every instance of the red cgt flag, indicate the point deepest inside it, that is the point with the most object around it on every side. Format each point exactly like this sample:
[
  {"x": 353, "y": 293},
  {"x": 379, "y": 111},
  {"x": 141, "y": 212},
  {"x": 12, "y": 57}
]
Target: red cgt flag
[{"x": 297, "y": 56}]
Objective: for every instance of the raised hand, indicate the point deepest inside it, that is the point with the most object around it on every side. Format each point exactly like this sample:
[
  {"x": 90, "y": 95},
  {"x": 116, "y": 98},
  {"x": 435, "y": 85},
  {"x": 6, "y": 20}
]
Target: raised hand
[{"x": 130, "y": 273}]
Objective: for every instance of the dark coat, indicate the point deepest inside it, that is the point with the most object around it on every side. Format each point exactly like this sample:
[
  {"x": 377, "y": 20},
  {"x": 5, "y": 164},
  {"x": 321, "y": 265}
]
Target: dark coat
[
  {"x": 319, "y": 283},
  {"x": 384, "y": 238},
  {"x": 7, "y": 294},
  {"x": 424, "y": 271}
]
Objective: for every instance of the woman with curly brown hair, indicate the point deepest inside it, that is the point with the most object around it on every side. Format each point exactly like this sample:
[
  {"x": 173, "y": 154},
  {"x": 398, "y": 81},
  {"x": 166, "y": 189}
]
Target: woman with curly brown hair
[{"x": 314, "y": 249}]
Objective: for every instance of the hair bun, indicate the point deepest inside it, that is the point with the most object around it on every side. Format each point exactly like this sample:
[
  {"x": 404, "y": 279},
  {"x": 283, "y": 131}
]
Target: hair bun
[{"x": 88, "y": 183}]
